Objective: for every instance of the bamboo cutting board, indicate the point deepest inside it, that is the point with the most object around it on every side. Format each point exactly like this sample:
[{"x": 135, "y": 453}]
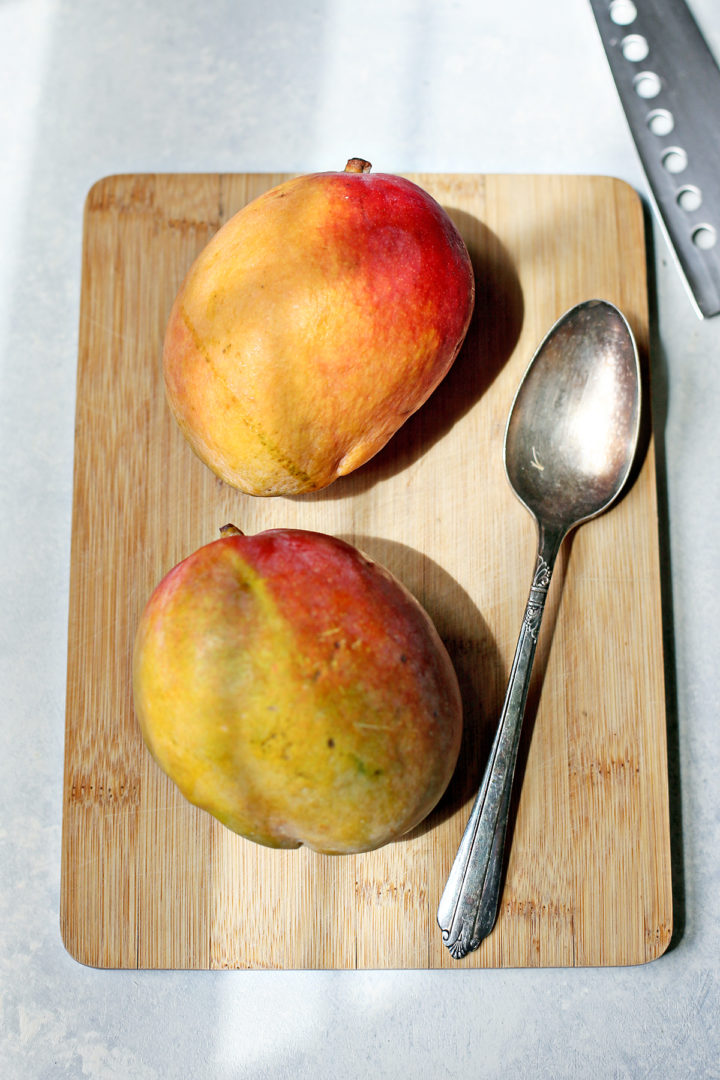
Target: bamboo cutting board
[{"x": 149, "y": 881}]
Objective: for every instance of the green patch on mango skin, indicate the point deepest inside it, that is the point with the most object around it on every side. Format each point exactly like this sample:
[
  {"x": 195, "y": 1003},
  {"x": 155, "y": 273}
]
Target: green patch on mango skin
[{"x": 365, "y": 770}]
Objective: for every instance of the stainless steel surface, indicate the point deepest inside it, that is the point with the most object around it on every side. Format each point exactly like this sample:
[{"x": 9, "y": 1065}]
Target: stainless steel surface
[
  {"x": 569, "y": 445},
  {"x": 669, "y": 87}
]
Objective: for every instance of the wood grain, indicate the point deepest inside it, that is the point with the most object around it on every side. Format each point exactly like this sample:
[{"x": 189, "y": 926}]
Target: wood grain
[{"x": 148, "y": 880}]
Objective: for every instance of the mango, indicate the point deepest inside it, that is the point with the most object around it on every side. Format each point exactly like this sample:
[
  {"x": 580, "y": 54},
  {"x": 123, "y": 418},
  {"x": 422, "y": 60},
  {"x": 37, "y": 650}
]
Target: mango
[
  {"x": 314, "y": 323},
  {"x": 295, "y": 690}
]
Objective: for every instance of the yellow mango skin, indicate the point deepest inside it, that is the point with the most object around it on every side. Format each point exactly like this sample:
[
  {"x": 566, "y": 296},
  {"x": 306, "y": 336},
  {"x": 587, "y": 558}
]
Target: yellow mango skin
[
  {"x": 296, "y": 691},
  {"x": 312, "y": 325}
]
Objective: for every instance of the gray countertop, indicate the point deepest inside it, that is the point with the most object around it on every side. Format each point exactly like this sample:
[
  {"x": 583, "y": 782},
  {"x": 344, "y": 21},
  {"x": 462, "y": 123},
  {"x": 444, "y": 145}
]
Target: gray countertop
[{"x": 92, "y": 88}]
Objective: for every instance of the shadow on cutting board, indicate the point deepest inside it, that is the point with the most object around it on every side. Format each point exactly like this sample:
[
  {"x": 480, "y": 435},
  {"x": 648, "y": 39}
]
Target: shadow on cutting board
[
  {"x": 491, "y": 338},
  {"x": 474, "y": 654}
]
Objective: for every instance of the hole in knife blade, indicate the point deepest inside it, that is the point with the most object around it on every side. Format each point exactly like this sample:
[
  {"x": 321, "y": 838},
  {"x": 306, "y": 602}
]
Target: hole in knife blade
[
  {"x": 623, "y": 12},
  {"x": 660, "y": 121},
  {"x": 634, "y": 47},
  {"x": 647, "y": 84},
  {"x": 704, "y": 237},
  {"x": 689, "y": 198},
  {"x": 675, "y": 159}
]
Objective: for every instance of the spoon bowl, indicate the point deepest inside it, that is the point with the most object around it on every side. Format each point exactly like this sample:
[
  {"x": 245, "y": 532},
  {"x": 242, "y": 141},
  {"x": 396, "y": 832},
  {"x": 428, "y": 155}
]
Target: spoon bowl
[
  {"x": 573, "y": 426},
  {"x": 570, "y": 442}
]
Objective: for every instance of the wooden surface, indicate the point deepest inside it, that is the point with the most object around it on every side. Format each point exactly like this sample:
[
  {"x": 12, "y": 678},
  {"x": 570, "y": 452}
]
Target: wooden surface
[{"x": 148, "y": 880}]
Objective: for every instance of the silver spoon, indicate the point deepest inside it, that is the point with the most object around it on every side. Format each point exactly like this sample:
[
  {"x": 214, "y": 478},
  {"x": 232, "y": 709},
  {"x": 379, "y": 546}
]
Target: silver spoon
[{"x": 569, "y": 445}]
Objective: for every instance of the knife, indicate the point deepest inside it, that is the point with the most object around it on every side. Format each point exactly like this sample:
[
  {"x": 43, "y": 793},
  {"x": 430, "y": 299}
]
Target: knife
[{"x": 669, "y": 86}]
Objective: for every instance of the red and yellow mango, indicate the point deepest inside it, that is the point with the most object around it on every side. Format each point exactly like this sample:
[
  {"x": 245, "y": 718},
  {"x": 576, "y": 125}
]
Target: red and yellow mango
[
  {"x": 317, "y": 319},
  {"x": 297, "y": 691}
]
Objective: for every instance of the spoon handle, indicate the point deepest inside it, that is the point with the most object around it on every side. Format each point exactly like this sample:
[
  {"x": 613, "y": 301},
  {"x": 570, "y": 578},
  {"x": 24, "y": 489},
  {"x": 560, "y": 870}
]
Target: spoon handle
[{"x": 469, "y": 903}]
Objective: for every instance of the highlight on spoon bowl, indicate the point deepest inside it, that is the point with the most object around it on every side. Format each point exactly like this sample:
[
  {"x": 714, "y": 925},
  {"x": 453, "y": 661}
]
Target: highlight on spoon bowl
[{"x": 586, "y": 376}]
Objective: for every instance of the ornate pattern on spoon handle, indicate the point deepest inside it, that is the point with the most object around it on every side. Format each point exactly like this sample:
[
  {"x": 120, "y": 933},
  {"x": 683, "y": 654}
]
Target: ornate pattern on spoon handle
[
  {"x": 469, "y": 903},
  {"x": 538, "y": 595}
]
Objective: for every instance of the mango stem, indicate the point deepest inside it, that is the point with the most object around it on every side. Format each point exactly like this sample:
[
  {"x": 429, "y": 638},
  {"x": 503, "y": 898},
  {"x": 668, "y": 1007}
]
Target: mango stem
[{"x": 358, "y": 164}]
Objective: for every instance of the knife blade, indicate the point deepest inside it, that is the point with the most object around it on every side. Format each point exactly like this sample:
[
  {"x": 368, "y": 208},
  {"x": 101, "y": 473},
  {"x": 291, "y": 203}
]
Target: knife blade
[{"x": 668, "y": 83}]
